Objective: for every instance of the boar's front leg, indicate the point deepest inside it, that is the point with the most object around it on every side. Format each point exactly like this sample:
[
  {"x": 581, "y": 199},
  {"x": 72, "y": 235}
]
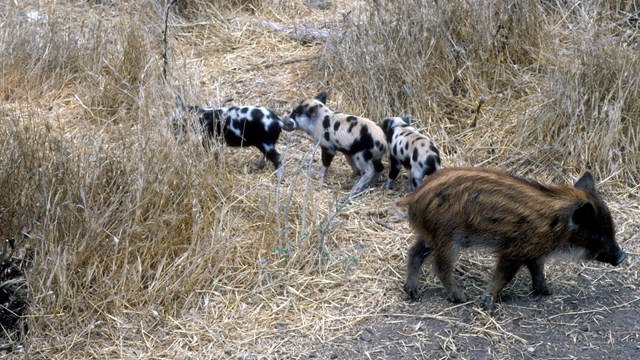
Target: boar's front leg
[
  {"x": 536, "y": 268},
  {"x": 417, "y": 254},
  {"x": 505, "y": 270}
]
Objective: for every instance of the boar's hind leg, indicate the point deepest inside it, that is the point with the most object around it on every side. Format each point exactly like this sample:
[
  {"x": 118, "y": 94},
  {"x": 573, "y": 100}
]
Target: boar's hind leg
[
  {"x": 505, "y": 270},
  {"x": 445, "y": 256},
  {"x": 536, "y": 268},
  {"x": 417, "y": 254}
]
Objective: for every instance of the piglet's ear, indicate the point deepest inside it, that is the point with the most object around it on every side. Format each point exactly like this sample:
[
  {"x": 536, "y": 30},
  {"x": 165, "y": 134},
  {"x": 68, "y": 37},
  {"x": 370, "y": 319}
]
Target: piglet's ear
[
  {"x": 407, "y": 119},
  {"x": 322, "y": 97},
  {"x": 584, "y": 215},
  {"x": 385, "y": 124},
  {"x": 312, "y": 110},
  {"x": 586, "y": 183}
]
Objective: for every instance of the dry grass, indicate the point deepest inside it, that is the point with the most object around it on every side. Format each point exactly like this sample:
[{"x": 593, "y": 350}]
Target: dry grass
[{"x": 149, "y": 246}]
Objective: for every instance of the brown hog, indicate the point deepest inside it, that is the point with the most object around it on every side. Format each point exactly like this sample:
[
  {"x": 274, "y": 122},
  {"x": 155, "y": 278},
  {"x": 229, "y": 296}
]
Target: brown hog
[{"x": 521, "y": 220}]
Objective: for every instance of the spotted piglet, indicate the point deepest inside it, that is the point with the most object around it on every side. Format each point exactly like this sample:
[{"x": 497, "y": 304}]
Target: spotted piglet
[
  {"x": 360, "y": 139},
  {"x": 409, "y": 148},
  {"x": 243, "y": 126}
]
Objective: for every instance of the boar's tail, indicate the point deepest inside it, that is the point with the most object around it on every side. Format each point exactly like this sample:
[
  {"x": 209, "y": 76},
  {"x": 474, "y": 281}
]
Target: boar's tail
[
  {"x": 396, "y": 208},
  {"x": 404, "y": 202}
]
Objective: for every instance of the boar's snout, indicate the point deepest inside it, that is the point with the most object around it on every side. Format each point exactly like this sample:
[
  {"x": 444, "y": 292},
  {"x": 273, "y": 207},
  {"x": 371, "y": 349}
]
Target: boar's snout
[
  {"x": 614, "y": 258},
  {"x": 620, "y": 258}
]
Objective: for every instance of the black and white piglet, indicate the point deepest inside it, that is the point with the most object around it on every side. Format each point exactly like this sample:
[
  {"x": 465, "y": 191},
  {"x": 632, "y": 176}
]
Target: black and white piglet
[
  {"x": 359, "y": 139},
  {"x": 244, "y": 126},
  {"x": 409, "y": 148}
]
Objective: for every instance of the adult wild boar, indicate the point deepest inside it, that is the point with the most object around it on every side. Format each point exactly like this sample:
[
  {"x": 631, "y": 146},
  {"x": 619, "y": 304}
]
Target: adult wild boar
[{"x": 522, "y": 220}]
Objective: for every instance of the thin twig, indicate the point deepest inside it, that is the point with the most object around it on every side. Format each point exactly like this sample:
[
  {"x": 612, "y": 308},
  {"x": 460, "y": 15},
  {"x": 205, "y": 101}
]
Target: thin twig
[{"x": 602, "y": 309}]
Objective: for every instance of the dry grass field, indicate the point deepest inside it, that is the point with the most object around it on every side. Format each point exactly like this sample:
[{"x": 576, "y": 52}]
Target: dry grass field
[{"x": 129, "y": 241}]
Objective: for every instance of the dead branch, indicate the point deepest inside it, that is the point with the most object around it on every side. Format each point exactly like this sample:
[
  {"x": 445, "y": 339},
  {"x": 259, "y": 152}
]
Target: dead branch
[{"x": 303, "y": 35}]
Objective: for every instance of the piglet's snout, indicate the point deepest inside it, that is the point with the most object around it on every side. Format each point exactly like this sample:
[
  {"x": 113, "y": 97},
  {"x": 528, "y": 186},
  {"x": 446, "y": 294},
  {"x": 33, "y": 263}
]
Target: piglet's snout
[{"x": 289, "y": 124}]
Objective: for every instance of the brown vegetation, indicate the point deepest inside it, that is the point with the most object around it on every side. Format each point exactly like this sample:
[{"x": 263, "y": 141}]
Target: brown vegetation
[{"x": 145, "y": 245}]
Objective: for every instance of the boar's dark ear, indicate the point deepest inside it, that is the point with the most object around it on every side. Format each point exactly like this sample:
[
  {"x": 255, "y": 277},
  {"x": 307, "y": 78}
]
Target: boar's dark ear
[
  {"x": 584, "y": 215},
  {"x": 322, "y": 97},
  {"x": 586, "y": 183},
  {"x": 407, "y": 119}
]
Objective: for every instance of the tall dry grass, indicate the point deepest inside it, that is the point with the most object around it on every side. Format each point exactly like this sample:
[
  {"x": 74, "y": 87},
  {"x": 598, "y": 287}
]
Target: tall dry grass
[
  {"x": 587, "y": 111},
  {"x": 561, "y": 67},
  {"x": 129, "y": 223},
  {"x": 404, "y": 60}
]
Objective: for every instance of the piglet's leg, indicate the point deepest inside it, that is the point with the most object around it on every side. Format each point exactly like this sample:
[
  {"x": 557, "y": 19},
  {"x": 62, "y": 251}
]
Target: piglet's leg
[
  {"x": 274, "y": 157},
  {"x": 352, "y": 163},
  {"x": 364, "y": 181},
  {"x": 415, "y": 177},
  {"x": 394, "y": 170},
  {"x": 327, "y": 157},
  {"x": 261, "y": 163}
]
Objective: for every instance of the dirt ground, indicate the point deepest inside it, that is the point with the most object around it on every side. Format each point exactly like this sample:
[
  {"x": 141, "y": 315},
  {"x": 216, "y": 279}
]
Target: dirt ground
[{"x": 600, "y": 323}]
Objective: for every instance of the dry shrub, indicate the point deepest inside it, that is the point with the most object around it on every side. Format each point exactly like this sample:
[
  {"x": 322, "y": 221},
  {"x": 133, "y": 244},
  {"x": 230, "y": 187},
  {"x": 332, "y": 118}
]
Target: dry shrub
[
  {"x": 124, "y": 71},
  {"x": 589, "y": 117},
  {"x": 141, "y": 221},
  {"x": 39, "y": 54},
  {"x": 129, "y": 218},
  {"x": 560, "y": 65},
  {"x": 100, "y": 55},
  {"x": 196, "y": 8},
  {"x": 584, "y": 116},
  {"x": 402, "y": 56}
]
